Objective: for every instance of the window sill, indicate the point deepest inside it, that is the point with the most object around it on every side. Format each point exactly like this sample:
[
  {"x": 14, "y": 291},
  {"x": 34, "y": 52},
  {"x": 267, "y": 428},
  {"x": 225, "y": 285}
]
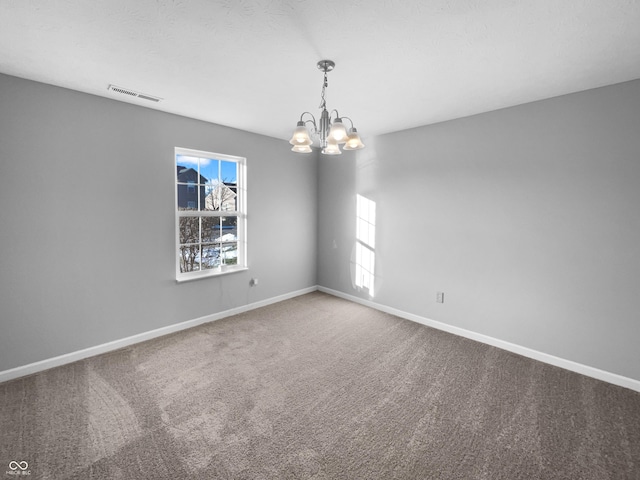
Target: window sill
[{"x": 214, "y": 272}]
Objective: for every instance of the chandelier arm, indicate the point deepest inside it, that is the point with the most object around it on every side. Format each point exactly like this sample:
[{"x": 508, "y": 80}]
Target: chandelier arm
[
  {"x": 312, "y": 120},
  {"x": 315, "y": 127},
  {"x": 307, "y": 113},
  {"x": 337, "y": 114},
  {"x": 350, "y": 121}
]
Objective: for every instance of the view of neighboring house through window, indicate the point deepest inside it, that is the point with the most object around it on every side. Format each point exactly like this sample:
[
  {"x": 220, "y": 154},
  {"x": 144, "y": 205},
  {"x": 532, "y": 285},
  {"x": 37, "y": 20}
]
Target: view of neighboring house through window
[{"x": 210, "y": 213}]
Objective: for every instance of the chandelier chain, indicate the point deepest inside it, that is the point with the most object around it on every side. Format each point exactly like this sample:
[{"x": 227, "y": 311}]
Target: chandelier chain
[{"x": 325, "y": 84}]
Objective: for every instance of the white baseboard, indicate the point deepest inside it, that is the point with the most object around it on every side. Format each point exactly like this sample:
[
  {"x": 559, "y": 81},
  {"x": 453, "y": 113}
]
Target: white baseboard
[
  {"x": 141, "y": 337},
  {"x": 511, "y": 347}
]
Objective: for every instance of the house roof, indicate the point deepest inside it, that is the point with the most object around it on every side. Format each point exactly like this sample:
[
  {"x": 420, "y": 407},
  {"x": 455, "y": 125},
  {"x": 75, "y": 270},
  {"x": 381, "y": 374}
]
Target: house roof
[{"x": 188, "y": 174}]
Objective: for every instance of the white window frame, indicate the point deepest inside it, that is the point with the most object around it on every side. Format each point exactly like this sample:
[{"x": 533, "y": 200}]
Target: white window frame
[{"x": 240, "y": 213}]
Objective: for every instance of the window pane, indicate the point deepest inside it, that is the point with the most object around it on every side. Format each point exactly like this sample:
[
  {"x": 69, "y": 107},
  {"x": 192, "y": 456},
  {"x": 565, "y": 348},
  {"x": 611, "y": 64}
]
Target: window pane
[
  {"x": 186, "y": 169},
  {"x": 188, "y": 197},
  {"x": 220, "y": 197},
  {"x": 210, "y": 256},
  {"x": 189, "y": 229},
  {"x": 211, "y": 229},
  {"x": 229, "y": 176},
  {"x": 233, "y": 201},
  {"x": 213, "y": 199},
  {"x": 229, "y": 229},
  {"x": 229, "y": 253},
  {"x": 229, "y": 172},
  {"x": 229, "y": 221},
  {"x": 228, "y": 198},
  {"x": 208, "y": 170},
  {"x": 189, "y": 258}
]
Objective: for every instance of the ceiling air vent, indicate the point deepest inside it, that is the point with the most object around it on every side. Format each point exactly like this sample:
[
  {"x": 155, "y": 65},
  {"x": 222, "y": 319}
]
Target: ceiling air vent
[{"x": 133, "y": 93}]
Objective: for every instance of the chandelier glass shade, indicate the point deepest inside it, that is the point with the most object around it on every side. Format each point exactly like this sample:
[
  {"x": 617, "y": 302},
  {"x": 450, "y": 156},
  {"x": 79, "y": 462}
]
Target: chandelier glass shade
[{"x": 329, "y": 129}]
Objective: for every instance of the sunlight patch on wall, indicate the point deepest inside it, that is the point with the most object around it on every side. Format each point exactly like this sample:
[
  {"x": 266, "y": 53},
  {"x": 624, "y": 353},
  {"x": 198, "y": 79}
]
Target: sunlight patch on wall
[{"x": 365, "y": 244}]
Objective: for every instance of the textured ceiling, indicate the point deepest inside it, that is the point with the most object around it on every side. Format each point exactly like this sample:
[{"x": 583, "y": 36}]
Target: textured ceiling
[{"x": 252, "y": 64}]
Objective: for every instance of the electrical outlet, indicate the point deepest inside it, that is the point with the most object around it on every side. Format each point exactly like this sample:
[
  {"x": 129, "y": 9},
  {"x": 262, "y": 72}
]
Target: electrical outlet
[
  {"x": 253, "y": 282},
  {"x": 439, "y": 297}
]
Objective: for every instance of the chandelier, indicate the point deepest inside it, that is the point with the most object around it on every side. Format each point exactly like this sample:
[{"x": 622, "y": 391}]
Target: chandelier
[{"x": 332, "y": 133}]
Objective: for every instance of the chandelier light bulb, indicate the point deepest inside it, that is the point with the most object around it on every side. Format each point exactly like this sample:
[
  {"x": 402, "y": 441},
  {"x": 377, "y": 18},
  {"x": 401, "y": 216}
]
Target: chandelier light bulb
[
  {"x": 353, "y": 141},
  {"x": 300, "y": 135},
  {"x": 331, "y": 148},
  {"x": 338, "y": 131},
  {"x": 301, "y": 149}
]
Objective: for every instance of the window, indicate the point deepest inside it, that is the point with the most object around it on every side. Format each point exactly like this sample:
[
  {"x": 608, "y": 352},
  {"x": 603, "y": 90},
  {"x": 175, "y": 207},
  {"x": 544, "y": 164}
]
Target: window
[{"x": 210, "y": 214}]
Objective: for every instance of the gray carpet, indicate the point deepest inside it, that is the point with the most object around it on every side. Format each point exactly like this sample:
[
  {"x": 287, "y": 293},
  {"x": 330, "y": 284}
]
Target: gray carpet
[{"x": 317, "y": 388}]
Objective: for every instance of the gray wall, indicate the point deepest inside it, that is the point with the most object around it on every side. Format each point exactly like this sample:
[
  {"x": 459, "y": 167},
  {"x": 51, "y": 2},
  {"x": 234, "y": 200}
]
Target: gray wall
[
  {"x": 528, "y": 218},
  {"x": 87, "y": 252}
]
